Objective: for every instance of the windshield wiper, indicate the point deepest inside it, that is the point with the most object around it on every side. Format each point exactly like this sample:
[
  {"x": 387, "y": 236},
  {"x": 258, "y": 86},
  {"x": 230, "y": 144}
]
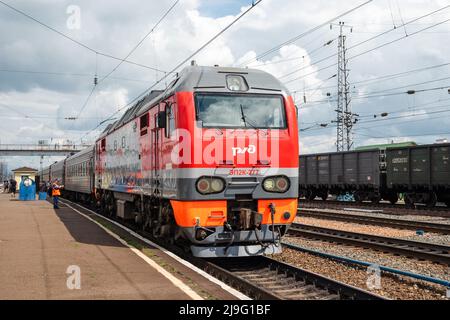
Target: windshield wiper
[
  {"x": 243, "y": 115},
  {"x": 247, "y": 120}
]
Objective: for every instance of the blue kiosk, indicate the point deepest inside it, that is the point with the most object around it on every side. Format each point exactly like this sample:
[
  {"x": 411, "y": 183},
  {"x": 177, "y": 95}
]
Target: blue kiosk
[{"x": 27, "y": 191}]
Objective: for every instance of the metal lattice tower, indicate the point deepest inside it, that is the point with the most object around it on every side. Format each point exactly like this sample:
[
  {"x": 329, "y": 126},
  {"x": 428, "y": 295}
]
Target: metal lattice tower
[{"x": 344, "y": 119}]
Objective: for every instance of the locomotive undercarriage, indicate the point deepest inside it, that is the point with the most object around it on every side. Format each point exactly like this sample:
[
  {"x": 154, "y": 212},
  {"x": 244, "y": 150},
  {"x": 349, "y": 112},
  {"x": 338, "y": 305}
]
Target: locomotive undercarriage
[{"x": 243, "y": 234}]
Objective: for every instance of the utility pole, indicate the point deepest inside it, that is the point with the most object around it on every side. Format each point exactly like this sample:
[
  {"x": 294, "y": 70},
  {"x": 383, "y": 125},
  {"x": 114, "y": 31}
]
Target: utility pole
[{"x": 345, "y": 119}]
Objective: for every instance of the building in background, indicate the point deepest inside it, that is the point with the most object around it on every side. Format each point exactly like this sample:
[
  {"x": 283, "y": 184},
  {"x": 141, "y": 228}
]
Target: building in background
[{"x": 23, "y": 173}]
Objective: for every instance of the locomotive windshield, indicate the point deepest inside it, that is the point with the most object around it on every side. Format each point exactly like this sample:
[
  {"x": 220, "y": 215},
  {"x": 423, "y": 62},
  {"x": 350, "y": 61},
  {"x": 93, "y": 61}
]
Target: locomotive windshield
[{"x": 240, "y": 111}]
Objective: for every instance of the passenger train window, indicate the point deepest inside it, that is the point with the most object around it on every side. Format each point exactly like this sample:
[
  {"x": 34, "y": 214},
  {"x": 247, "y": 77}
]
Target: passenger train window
[{"x": 103, "y": 144}]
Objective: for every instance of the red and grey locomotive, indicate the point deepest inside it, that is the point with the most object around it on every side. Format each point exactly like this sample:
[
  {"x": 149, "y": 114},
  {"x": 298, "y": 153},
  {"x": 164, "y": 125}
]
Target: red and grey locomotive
[{"x": 211, "y": 162}]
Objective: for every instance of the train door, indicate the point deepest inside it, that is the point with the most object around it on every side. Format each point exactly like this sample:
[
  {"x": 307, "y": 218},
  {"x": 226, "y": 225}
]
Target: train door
[
  {"x": 155, "y": 156},
  {"x": 91, "y": 173},
  {"x": 145, "y": 153}
]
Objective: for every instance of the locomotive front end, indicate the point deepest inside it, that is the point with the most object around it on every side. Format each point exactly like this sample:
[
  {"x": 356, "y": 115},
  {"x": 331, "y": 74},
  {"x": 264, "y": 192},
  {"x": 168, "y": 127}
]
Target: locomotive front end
[{"x": 238, "y": 195}]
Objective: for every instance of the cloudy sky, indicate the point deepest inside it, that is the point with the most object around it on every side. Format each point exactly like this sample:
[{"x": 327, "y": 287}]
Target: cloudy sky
[{"x": 394, "y": 46}]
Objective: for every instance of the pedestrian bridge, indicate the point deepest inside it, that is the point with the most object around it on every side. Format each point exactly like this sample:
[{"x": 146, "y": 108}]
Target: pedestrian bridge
[{"x": 40, "y": 150}]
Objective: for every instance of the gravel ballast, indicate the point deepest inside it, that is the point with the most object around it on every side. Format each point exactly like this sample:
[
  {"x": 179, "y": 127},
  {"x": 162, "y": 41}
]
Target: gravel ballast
[
  {"x": 426, "y": 268},
  {"x": 375, "y": 230},
  {"x": 434, "y": 219},
  {"x": 392, "y": 286}
]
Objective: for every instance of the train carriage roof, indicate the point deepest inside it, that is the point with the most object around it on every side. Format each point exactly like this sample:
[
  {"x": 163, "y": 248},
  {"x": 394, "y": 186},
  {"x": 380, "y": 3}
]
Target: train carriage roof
[{"x": 89, "y": 149}]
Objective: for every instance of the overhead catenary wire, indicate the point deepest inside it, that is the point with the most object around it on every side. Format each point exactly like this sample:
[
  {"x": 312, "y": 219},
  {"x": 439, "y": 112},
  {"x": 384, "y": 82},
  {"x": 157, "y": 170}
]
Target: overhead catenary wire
[
  {"x": 365, "y": 41},
  {"x": 79, "y": 43},
  {"x": 383, "y": 120},
  {"x": 298, "y": 37},
  {"x": 309, "y": 53},
  {"x": 408, "y": 92},
  {"x": 384, "y": 77},
  {"x": 66, "y": 74},
  {"x": 373, "y": 115},
  {"x": 98, "y": 82},
  {"x": 142, "y": 94},
  {"x": 141, "y": 41},
  {"x": 368, "y": 51}
]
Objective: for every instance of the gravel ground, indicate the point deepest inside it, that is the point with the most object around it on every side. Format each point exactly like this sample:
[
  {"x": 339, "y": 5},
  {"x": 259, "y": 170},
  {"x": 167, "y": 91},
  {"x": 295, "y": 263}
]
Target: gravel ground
[
  {"x": 375, "y": 230},
  {"x": 385, "y": 259},
  {"x": 393, "y": 287},
  {"x": 384, "y": 215}
]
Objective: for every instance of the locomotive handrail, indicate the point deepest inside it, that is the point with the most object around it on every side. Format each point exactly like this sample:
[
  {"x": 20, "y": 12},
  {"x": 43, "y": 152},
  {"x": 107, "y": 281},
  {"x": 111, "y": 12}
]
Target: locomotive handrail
[{"x": 243, "y": 183}]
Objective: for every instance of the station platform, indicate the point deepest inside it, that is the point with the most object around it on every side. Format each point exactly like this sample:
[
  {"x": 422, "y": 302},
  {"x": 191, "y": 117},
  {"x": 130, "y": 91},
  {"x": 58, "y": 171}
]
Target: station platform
[{"x": 61, "y": 254}]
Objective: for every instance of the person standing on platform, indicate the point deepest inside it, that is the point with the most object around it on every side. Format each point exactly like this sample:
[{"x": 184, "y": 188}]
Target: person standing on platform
[
  {"x": 56, "y": 193},
  {"x": 6, "y": 186},
  {"x": 13, "y": 187}
]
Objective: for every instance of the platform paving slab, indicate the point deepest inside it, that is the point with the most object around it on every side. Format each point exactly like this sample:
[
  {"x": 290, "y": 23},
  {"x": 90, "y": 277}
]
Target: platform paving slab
[{"x": 38, "y": 244}]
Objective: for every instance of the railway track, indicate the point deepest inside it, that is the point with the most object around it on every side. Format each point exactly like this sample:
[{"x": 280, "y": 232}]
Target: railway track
[
  {"x": 268, "y": 279},
  {"x": 378, "y": 221},
  {"x": 411, "y": 249},
  {"x": 263, "y": 278},
  {"x": 394, "y": 209}
]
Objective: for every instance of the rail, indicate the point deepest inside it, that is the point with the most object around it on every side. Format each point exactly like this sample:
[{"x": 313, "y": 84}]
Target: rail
[
  {"x": 407, "y": 248},
  {"x": 378, "y": 221}
]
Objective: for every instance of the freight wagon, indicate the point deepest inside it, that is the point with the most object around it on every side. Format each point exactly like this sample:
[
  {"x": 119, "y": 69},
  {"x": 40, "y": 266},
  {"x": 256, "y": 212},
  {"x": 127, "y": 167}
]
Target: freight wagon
[{"x": 420, "y": 173}]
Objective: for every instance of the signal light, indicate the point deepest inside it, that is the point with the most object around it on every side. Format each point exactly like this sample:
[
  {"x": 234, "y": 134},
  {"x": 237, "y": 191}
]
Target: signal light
[
  {"x": 210, "y": 185},
  {"x": 236, "y": 83},
  {"x": 279, "y": 184}
]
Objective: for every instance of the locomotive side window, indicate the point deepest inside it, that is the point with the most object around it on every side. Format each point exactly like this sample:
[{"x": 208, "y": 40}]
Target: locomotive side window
[
  {"x": 103, "y": 145},
  {"x": 240, "y": 111},
  {"x": 144, "y": 124},
  {"x": 115, "y": 145},
  {"x": 123, "y": 142}
]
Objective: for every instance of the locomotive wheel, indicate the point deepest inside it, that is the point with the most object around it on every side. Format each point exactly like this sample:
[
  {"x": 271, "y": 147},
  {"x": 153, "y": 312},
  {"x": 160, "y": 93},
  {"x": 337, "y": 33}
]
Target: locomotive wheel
[
  {"x": 447, "y": 203},
  {"x": 110, "y": 205},
  {"x": 324, "y": 196},
  {"x": 357, "y": 197},
  {"x": 102, "y": 204}
]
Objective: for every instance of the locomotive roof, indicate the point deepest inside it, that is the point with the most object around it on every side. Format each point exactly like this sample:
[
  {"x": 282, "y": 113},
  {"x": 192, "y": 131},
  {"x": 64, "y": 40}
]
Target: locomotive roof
[{"x": 202, "y": 79}]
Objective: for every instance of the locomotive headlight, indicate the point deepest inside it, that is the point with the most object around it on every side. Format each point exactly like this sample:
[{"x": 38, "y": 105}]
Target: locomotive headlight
[
  {"x": 236, "y": 83},
  {"x": 217, "y": 185},
  {"x": 269, "y": 184},
  {"x": 279, "y": 184},
  {"x": 209, "y": 185}
]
